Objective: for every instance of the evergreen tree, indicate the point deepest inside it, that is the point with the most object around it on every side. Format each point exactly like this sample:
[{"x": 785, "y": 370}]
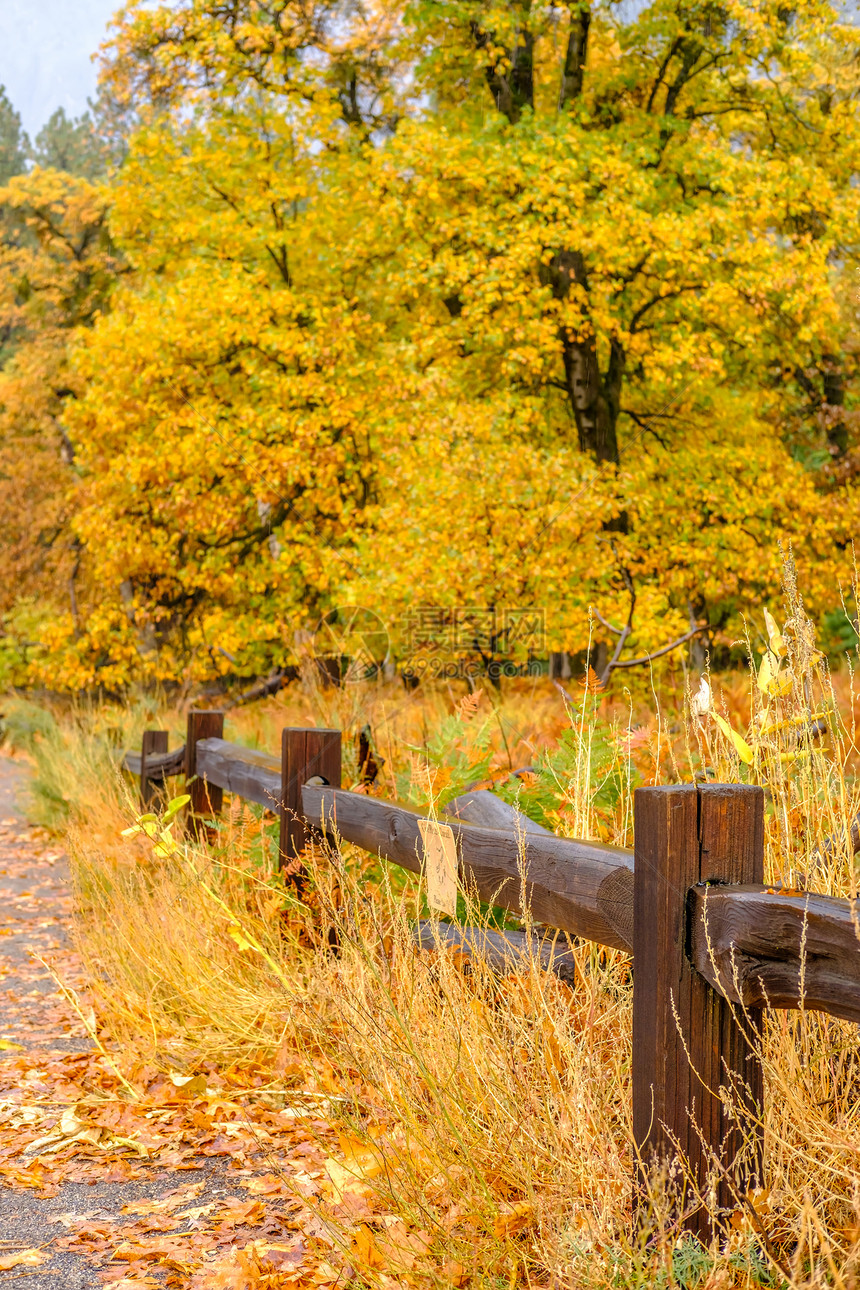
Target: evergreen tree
[
  {"x": 71, "y": 144},
  {"x": 14, "y": 143}
]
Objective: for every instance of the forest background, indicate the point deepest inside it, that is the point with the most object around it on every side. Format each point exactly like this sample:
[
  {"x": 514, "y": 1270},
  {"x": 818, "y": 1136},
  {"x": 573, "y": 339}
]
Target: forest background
[{"x": 527, "y": 306}]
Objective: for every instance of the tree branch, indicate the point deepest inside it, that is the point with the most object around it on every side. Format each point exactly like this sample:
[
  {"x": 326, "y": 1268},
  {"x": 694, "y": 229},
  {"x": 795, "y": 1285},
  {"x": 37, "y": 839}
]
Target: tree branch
[
  {"x": 647, "y": 658},
  {"x": 618, "y": 631}
]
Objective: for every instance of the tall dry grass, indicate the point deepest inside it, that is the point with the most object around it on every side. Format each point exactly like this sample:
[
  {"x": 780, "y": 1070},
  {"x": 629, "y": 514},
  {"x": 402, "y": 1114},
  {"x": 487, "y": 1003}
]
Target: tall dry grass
[{"x": 493, "y": 1113}]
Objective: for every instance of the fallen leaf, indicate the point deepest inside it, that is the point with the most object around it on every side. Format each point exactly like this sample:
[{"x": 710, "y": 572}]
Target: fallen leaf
[
  {"x": 284, "y": 1257},
  {"x": 134, "y": 1283},
  {"x": 70, "y": 1129},
  {"x": 266, "y": 1185},
  {"x": 325, "y": 1275},
  {"x": 362, "y": 1162},
  {"x": 400, "y": 1248},
  {"x": 197, "y": 1211},
  {"x": 189, "y": 1085},
  {"x": 23, "y": 1259},
  {"x": 513, "y": 1218},
  {"x": 454, "y": 1273},
  {"x": 364, "y": 1249}
]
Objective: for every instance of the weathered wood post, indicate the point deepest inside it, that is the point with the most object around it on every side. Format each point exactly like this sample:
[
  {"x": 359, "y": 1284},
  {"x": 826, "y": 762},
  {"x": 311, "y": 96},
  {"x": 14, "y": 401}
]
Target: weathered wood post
[
  {"x": 304, "y": 754},
  {"x": 153, "y": 742},
  {"x": 206, "y": 799},
  {"x": 687, "y": 1039}
]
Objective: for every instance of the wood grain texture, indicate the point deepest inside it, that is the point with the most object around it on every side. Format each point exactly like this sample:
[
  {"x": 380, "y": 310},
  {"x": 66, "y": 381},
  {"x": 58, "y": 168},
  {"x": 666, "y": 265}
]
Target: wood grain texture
[
  {"x": 509, "y": 951},
  {"x": 206, "y": 799},
  {"x": 153, "y": 743},
  {"x": 305, "y": 754},
  {"x": 731, "y": 849},
  {"x": 580, "y": 887},
  {"x": 247, "y": 772},
  {"x": 758, "y": 946},
  {"x": 483, "y": 807},
  {"x": 686, "y": 1042},
  {"x": 667, "y": 863},
  {"x": 159, "y": 766}
]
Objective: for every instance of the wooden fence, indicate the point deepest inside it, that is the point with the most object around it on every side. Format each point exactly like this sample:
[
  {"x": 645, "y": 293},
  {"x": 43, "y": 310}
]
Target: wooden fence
[{"x": 711, "y": 944}]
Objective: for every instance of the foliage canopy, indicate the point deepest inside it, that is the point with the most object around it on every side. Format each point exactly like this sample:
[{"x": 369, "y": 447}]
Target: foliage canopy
[{"x": 488, "y": 303}]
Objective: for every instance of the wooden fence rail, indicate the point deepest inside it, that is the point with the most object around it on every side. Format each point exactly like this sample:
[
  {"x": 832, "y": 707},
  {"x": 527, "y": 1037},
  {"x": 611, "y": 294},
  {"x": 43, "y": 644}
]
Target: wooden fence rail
[{"x": 711, "y": 944}]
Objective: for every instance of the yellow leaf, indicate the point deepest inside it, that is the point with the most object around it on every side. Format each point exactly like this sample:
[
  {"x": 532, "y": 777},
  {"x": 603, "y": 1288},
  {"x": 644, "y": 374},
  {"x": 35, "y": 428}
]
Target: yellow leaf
[
  {"x": 767, "y": 671},
  {"x": 70, "y": 1129},
  {"x": 774, "y": 635},
  {"x": 325, "y": 1275},
  {"x": 781, "y": 685},
  {"x": 197, "y": 1211},
  {"x": 742, "y": 748},
  {"x": 9, "y": 1046},
  {"x": 364, "y": 1249},
  {"x": 361, "y": 1163},
  {"x": 174, "y": 806},
  {"x": 189, "y": 1085},
  {"x": 23, "y": 1259},
  {"x": 240, "y": 938},
  {"x": 399, "y": 1248},
  {"x": 512, "y": 1218}
]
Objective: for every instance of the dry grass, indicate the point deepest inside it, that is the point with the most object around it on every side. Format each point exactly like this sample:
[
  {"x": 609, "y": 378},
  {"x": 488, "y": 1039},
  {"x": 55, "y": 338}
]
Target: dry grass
[{"x": 491, "y": 1113}]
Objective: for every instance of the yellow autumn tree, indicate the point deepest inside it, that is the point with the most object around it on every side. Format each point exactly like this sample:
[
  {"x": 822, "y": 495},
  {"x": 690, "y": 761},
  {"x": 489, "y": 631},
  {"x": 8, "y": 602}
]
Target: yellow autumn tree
[
  {"x": 509, "y": 304},
  {"x": 222, "y": 433},
  {"x": 57, "y": 265},
  {"x": 629, "y": 244}
]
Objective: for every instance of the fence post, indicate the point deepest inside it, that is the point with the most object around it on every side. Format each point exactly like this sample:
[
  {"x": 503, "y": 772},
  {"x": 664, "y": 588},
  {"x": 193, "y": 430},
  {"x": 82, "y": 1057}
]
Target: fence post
[
  {"x": 687, "y": 1041},
  {"x": 206, "y": 799},
  {"x": 304, "y": 754},
  {"x": 153, "y": 742}
]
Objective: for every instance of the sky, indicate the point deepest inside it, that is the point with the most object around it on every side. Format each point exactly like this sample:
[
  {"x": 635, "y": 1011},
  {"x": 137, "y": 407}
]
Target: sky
[{"x": 45, "y": 48}]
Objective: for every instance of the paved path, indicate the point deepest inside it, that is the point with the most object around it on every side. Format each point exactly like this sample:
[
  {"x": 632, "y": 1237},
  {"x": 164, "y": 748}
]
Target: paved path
[
  {"x": 29, "y": 921},
  {"x": 35, "y": 900},
  {"x": 210, "y": 1184}
]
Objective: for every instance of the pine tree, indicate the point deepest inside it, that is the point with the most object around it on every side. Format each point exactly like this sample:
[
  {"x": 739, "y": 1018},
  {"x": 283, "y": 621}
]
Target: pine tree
[
  {"x": 70, "y": 144},
  {"x": 14, "y": 144}
]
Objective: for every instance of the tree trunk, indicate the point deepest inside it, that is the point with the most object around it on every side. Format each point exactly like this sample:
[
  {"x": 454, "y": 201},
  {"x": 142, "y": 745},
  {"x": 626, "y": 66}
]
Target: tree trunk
[
  {"x": 834, "y": 399},
  {"x": 573, "y": 73},
  {"x": 595, "y": 400},
  {"x": 513, "y": 89}
]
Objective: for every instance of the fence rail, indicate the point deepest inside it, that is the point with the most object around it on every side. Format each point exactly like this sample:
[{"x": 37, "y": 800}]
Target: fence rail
[
  {"x": 254, "y": 775},
  {"x": 688, "y": 903},
  {"x": 766, "y": 947},
  {"x": 156, "y": 767}
]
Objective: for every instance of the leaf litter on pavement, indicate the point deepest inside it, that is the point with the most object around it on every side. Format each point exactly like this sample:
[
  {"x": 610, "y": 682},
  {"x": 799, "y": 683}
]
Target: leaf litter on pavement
[{"x": 271, "y": 1159}]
